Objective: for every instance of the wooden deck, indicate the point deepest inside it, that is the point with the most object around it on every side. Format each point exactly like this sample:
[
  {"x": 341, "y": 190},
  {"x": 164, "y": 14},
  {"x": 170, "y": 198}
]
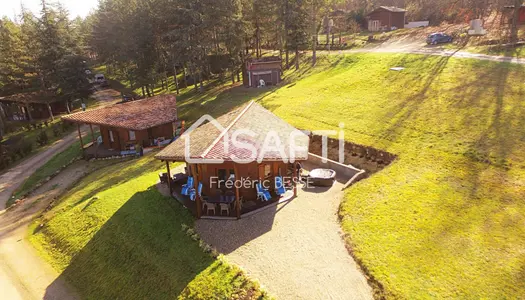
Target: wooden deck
[{"x": 248, "y": 207}]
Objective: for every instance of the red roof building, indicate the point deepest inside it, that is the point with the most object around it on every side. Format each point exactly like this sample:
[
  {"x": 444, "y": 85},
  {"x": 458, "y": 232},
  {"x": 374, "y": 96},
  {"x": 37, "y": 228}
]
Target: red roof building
[{"x": 124, "y": 126}]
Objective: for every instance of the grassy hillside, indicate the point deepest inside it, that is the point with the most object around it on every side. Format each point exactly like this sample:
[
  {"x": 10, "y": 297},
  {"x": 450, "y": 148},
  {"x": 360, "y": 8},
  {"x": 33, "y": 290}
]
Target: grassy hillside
[
  {"x": 114, "y": 236},
  {"x": 447, "y": 219}
]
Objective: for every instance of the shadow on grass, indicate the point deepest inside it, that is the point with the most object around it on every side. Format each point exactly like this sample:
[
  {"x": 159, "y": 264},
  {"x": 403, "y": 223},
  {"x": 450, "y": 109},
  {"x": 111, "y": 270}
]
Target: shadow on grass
[{"x": 140, "y": 252}]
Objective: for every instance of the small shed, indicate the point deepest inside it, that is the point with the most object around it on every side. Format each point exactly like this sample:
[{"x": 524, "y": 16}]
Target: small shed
[
  {"x": 263, "y": 71},
  {"x": 384, "y": 18},
  {"x": 146, "y": 122},
  {"x": 509, "y": 13}
]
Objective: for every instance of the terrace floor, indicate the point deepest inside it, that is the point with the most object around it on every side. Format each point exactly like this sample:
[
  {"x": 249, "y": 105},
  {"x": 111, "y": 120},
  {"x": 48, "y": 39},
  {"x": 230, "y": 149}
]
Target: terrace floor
[{"x": 294, "y": 249}]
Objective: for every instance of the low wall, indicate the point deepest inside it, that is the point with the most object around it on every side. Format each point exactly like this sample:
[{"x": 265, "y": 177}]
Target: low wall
[{"x": 417, "y": 24}]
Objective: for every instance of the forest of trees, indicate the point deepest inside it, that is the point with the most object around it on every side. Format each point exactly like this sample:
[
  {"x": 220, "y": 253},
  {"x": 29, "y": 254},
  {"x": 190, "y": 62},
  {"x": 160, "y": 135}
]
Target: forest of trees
[{"x": 147, "y": 41}]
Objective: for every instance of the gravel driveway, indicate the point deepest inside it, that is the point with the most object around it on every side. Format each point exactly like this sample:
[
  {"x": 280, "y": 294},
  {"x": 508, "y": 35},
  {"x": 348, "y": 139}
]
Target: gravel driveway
[{"x": 295, "y": 250}]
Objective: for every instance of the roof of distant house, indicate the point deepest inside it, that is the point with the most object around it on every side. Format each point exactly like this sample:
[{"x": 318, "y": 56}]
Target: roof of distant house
[
  {"x": 390, "y": 9},
  {"x": 32, "y": 97},
  {"x": 135, "y": 115},
  {"x": 207, "y": 142}
]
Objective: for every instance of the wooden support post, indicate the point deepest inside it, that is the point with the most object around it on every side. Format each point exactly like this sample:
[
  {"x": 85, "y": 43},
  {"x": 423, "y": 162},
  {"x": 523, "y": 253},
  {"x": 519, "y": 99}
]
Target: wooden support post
[
  {"x": 169, "y": 178},
  {"x": 50, "y": 112},
  {"x": 198, "y": 200},
  {"x": 237, "y": 197},
  {"x": 295, "y": 180},
  {"x": 80, "y": 137},
  {"x": 29, "y": 112},
  {"x": 92, "y": 134}
]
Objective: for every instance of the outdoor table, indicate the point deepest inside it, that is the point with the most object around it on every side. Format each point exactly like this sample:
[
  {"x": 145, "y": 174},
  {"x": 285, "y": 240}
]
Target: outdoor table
[{"x": 221, "y": 199}]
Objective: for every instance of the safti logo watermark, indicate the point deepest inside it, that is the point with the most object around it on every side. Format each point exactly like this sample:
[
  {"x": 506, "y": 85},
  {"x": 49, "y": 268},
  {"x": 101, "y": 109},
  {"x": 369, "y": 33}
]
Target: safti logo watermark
[{"x": 272, "y": 144}]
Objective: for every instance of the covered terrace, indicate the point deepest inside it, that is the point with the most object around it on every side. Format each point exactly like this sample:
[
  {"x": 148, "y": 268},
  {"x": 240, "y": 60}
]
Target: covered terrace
[
  {"x": 127, "y": 127},
  {"x": 222, "y": 178}
]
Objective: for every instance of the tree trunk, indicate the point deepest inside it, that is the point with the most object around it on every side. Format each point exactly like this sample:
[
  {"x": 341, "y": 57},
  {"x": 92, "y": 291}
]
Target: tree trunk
[
  {"x": 143, "y": 92},
  {"x": 314, "y": 34},
  {"x": 201, "y": 87},
  {"x": 296, "y": 57},
  {"x": 515, "y": 21},
  {"x": 184, "y": 75},
  {"x": 287, "y": 58},
  {"x": 176, "y": 79},
  {"x": 238, "y": 76},
  {"x": 50, "y": 112},
  {"x": 148, "y": 91}
]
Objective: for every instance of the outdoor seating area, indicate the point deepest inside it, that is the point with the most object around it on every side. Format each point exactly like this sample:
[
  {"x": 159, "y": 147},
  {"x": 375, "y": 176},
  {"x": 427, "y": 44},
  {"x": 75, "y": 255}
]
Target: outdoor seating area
[
  {"x": 218, "y": 185},
  {"x": 222, "y": 203}
]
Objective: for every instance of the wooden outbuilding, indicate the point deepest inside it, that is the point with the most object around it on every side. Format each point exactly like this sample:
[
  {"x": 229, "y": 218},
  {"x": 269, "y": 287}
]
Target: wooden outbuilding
[
  {"x": 385, "y": 18},
  {"x": 147, "y": 122},
  {"x": 509, "y": 14},
  {"x": 213, "y": 158},
  {"x": 33, "y": 106},
  {"x": 263, "y": 71}
]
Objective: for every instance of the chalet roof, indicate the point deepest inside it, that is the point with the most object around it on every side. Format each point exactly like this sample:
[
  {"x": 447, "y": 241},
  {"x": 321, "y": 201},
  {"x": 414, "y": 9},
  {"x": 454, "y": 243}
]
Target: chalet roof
[
  {"x": 265, "y": 59},
  {"x": 390, "y": 9},
  {"x": 207, "y": 142},
  {"x": 135, "y": 115},
  {"x": 32, "y": 97}
]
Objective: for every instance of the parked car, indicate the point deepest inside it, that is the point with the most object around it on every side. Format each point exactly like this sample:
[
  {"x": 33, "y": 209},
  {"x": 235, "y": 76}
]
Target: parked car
[
  {"x": 100, "y": 79},
  {"x": 439, "y": 38}
]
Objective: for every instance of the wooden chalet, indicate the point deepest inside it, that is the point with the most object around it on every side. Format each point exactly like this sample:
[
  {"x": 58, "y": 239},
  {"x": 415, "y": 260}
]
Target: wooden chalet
[
  {"x": 267, "y": 69},
  {"x": 147, "y": 122},
  {"x": 32, "y": 106},
  {"x": 384, "y": 18},
  {"x": 219, "y": 159}
]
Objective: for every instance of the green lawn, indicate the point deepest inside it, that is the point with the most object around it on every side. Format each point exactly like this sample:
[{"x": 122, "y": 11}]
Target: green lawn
[
  {"x": 114, "y": 236},
  {"x": 445, "y": 220}
]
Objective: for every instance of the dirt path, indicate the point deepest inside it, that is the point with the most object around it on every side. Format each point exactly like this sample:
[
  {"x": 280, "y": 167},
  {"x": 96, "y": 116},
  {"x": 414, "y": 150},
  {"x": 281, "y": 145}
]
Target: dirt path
[
  {"x": 295, "y": 250},
  {"x": 23, "y": 275}
]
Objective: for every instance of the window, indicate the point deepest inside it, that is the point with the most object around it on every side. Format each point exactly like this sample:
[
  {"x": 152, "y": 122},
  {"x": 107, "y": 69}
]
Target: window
[
  {"x": 111, "y": 136},
  {"x": 132, "y": 135}
]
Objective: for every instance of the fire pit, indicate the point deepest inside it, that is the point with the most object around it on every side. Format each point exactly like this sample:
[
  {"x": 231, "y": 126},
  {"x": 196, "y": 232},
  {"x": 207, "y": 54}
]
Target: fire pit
[{"x": 322, "y": 177}]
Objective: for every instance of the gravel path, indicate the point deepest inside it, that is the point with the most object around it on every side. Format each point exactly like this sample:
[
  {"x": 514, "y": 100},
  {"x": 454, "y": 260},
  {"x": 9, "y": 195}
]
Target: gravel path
[{"x": 295, "y": 250}]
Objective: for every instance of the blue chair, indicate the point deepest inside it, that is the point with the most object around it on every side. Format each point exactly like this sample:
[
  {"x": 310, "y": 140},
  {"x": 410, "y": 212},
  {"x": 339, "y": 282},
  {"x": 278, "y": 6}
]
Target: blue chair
[
  {"x": 262, "y": 194},
  {"x": 279, "y": 186},
  {"x": 194, "y": 194},
  {"x": 186, "y": 188}
]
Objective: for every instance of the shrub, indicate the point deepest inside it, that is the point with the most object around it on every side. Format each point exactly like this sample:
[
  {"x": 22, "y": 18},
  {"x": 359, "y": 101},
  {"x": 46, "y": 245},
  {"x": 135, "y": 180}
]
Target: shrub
[
  {"x": 56, "y": 131},
  {"x": 42, "y": 138},
  {"x": 25, "y": 147},
  {"x": 65, "y": 126}
]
